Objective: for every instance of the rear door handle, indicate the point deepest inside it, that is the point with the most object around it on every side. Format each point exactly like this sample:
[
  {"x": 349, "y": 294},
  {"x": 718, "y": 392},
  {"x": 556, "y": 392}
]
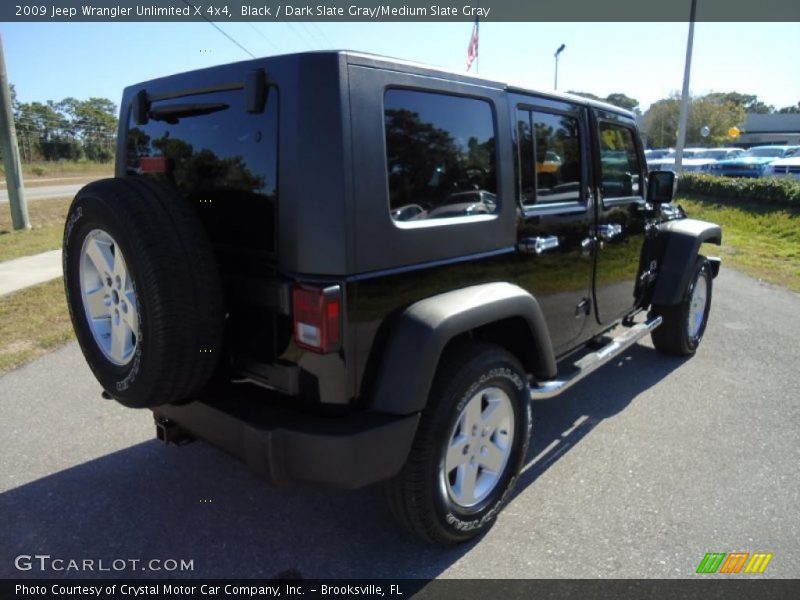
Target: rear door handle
[{"x": 539, "y": 245}]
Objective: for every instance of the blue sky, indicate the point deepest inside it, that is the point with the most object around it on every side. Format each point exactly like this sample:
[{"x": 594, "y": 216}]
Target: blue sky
[{"x": 50, "y": 61}]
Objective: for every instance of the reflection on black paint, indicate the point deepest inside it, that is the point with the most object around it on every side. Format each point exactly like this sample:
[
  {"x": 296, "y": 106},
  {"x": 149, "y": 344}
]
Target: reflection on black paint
[
  {"x": 440, "y": 154},
  {"x": 234, "y": 186}
]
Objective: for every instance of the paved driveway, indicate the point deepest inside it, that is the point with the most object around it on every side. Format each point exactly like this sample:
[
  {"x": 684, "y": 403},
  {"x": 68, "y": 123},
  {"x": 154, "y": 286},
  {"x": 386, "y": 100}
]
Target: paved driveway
[{"x": 638, "y": 472}]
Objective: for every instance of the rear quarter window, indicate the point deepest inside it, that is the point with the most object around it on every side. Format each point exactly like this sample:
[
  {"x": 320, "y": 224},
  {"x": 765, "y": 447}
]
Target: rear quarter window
[{"x": 440, "y": 156}]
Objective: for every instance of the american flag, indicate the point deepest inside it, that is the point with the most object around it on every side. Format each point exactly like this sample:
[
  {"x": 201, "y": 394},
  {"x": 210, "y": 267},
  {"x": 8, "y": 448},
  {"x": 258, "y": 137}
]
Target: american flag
[{"x": 472, "y": 49}]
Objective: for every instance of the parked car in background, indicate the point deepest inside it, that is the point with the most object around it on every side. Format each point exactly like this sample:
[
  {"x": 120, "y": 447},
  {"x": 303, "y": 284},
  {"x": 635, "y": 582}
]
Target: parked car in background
[
  {"x": 655, "y": 153},
  {"x": 752, "y": 163},
  {"x": 784, "y": 167},
  {"x": 702, "y": 161},
  {"x": 668, "y": 162}
]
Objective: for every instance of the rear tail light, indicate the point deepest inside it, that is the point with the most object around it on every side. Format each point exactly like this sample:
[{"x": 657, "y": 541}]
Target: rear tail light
[{"x": 317, "y": 317}]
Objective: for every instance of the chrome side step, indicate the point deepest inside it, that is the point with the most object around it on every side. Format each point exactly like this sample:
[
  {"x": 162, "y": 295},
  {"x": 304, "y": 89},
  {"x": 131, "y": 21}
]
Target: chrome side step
[{"x": 591, "y": 362}]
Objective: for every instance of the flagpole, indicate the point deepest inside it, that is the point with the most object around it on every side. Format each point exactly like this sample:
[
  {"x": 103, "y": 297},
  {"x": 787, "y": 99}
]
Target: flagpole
[{"x": 478, "y": 57}]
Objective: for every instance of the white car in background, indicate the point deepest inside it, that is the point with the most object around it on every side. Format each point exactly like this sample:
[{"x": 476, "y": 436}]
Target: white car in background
[
  {"x": 696, "y": 159},
  {"x": 784, "y": 167},
  {"x": 667, "y": 163}
]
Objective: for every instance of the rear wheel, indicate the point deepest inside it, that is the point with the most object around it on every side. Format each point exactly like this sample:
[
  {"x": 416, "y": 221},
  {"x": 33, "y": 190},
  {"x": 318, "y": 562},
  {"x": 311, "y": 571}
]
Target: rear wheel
[
  {"x": 471, "y": 443},
  {"x": 684, "y": 323},
  {"x": 143, "y": 291}
]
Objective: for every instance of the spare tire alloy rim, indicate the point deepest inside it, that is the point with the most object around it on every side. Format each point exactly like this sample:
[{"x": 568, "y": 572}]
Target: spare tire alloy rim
[
  {"x": 697, "y": 306},
  {"x": 479, "y": 447},
  {"x": 108, "y": 297}
]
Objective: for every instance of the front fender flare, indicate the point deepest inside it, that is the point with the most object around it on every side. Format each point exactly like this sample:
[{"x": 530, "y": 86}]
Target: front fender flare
[
  {"x": 423, "y": 330},
  {"x": 681, "y": 241}
]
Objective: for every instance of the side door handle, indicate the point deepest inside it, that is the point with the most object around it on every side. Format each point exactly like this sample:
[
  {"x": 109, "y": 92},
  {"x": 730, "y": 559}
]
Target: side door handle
[{"x": 539, "y": 244}]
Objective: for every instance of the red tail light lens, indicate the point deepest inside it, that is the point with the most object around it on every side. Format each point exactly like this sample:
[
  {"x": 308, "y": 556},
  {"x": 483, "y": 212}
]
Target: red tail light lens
[
  {"x": 317, "y": 317},
  {"x": 154, "y": 164}
]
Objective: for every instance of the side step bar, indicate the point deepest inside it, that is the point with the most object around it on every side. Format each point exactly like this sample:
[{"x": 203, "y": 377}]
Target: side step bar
[{"x": 591, "y": 362}]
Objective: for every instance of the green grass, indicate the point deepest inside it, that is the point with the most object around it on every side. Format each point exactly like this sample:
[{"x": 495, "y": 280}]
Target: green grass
[
  {"x": 32, "y": 322},
  {"x": 47, "y": 169},
  {"x": 47, "y": 219},
  {"x": 758, "y": 239}
]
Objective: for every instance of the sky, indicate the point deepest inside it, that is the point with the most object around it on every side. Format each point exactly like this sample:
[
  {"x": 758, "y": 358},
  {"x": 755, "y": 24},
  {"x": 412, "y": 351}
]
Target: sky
[{"x": 51, "y": 61}]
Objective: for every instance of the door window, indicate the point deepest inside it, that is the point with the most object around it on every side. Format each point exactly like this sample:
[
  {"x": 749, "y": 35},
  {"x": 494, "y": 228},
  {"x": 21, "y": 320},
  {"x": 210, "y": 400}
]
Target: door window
[
  {"x": 549, "y": 157},
  {"x": 620, "y": 169}
]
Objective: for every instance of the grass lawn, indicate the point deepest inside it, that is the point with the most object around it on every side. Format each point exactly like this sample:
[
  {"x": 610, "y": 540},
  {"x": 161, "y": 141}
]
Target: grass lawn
[
  {"x": 47, "y": 218},
  {"x": 49, "y": 170},
  {"x": 762, "y": 241},
  {"x": 32, "y": 322}
]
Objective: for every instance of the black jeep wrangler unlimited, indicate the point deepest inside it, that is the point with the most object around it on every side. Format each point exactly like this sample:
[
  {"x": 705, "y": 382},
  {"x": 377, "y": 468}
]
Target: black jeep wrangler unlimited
[{"x": 345, "y": 269}]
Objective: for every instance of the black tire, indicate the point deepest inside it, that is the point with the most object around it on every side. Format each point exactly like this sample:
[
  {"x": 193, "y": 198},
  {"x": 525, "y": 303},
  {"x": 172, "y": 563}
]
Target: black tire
[
  {"x": 419, "y": 496},
  {"x": 673, "y": 336},
  {"x": 175, "y": 282}
]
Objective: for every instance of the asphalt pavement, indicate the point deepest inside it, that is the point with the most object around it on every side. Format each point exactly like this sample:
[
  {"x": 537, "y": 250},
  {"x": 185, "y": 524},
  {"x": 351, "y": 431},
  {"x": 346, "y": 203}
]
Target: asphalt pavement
[
  {"x": 46, "y": 191},
  {"x": 637, "y": 472}
]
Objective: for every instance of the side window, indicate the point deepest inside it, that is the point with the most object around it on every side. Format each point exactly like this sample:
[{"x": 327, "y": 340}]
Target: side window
[
  {"x": 549, "y": 157},
  {"x": 440, "y": 156},
  {"x": 619, "y": 164}
]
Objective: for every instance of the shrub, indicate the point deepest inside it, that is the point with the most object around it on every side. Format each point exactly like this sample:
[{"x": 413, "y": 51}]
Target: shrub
[
  {"x": 38, "y": 171},
  {"x": 765, "y": 189}
]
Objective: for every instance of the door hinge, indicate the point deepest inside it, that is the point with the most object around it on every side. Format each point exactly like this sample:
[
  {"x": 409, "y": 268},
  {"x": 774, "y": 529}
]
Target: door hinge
[{"x": 584, "y": 307}]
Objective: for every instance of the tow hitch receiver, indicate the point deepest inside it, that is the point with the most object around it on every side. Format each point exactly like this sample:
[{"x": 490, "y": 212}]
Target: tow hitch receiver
[{"x": 170, "y": 432}]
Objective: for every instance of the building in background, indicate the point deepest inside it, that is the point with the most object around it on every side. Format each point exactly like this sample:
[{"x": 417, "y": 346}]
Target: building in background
[{"x": 775, "y": 128}]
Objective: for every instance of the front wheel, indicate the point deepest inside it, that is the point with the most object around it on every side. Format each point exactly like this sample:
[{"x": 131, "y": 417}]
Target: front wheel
[
  {"x": 684, "y": 323},
  {"x": 471, "y": 443}
]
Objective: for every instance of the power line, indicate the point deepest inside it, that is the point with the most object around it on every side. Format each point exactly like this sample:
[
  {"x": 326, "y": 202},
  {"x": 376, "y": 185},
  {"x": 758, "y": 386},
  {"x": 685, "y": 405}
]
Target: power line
[
  {"x": 314, "y": 37},
  {"x": 302, "y": 38},
  {"x": 322, "y": 33},
  {"x": 222, "y": 31},
  {"x": 266, "y": 39}
]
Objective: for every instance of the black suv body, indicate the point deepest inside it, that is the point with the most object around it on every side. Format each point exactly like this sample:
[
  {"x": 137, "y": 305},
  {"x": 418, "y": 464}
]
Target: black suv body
[{"x": 366, "y": 241}]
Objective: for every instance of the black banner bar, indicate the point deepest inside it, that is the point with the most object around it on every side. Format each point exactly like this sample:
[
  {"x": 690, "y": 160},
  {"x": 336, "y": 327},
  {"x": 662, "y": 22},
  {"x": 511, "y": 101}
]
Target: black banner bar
[
  {"x": 700, "y": 588},
  {"x": 405, "y": 10}
]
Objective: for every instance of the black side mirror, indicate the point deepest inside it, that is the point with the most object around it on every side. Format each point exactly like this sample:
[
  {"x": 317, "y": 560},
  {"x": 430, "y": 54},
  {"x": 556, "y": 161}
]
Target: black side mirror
[{"x": 660, "y": 187}]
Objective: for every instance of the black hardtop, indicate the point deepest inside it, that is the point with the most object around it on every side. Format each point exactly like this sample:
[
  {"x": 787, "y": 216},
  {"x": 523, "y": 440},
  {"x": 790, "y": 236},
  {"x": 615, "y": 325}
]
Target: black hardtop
[
  {"x": 329, "y": 225},
  {"x": 376, "y": 61}
]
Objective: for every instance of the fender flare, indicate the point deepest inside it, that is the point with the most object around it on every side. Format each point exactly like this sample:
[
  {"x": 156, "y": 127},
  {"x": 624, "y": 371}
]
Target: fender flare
[
  {"x": 681, "y": 241},
  {"x": 411, "y": 355}
]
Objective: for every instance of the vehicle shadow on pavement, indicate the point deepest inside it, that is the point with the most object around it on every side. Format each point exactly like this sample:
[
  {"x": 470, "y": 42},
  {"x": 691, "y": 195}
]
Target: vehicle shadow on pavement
[
  {"x": 195, "y": 503},
  {"x": 561, "y": 423}
]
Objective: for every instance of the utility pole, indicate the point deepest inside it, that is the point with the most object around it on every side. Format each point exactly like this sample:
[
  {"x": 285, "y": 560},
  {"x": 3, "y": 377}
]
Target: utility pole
[
  {"x": 685, "y": 94},
  {"x": 8, "y": 140},
  {"x": 559, "y": 51}
]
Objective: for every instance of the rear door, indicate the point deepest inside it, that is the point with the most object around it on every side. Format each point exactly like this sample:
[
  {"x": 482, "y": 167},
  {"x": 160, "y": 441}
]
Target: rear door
[
  {"x": 556, "y": 212},
  {"x": 619, "y": 184}
]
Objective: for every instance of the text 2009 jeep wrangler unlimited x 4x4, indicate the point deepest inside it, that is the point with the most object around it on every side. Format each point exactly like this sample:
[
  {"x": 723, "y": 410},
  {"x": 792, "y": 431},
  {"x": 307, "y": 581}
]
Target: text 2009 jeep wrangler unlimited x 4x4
[{"x": 346, "y": 269}]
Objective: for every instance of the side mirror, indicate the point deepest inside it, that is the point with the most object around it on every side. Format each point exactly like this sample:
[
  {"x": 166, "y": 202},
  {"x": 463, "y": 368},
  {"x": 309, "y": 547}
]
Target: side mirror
[{"x": 660, "y": 187}]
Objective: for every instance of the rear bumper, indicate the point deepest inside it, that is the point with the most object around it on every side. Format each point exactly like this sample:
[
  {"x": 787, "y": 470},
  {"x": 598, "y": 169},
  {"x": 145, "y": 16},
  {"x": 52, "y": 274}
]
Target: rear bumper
[{"x": 284, "y": 445}]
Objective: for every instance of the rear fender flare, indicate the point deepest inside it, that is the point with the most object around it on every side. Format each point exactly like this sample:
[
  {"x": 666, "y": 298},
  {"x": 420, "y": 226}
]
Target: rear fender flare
[{"x": 422, "y": 331}]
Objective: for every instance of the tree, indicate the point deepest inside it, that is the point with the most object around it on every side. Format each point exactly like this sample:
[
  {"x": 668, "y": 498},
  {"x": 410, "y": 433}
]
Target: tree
[
  {"x": 749, "y": 102},
  {"x": 623, "y": 101},
  {"x": 68, "y": 129},
  {"x": 661, "y": 122},
  {"x": 790, "y": 109},
  {"x": 617, "y": 99},
  {"x": 716, "y": 111}
]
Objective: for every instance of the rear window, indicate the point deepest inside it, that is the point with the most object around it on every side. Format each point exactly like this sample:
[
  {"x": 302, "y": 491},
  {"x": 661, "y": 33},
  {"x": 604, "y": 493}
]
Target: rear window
[
  {"x": 222, "y": 158},
  {"x": 440, "y": 156}
]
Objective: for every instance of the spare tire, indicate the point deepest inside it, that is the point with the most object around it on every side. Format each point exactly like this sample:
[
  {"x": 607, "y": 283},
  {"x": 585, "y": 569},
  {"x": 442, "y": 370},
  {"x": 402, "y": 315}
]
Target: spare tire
[{"x": 143, "y": 290}]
